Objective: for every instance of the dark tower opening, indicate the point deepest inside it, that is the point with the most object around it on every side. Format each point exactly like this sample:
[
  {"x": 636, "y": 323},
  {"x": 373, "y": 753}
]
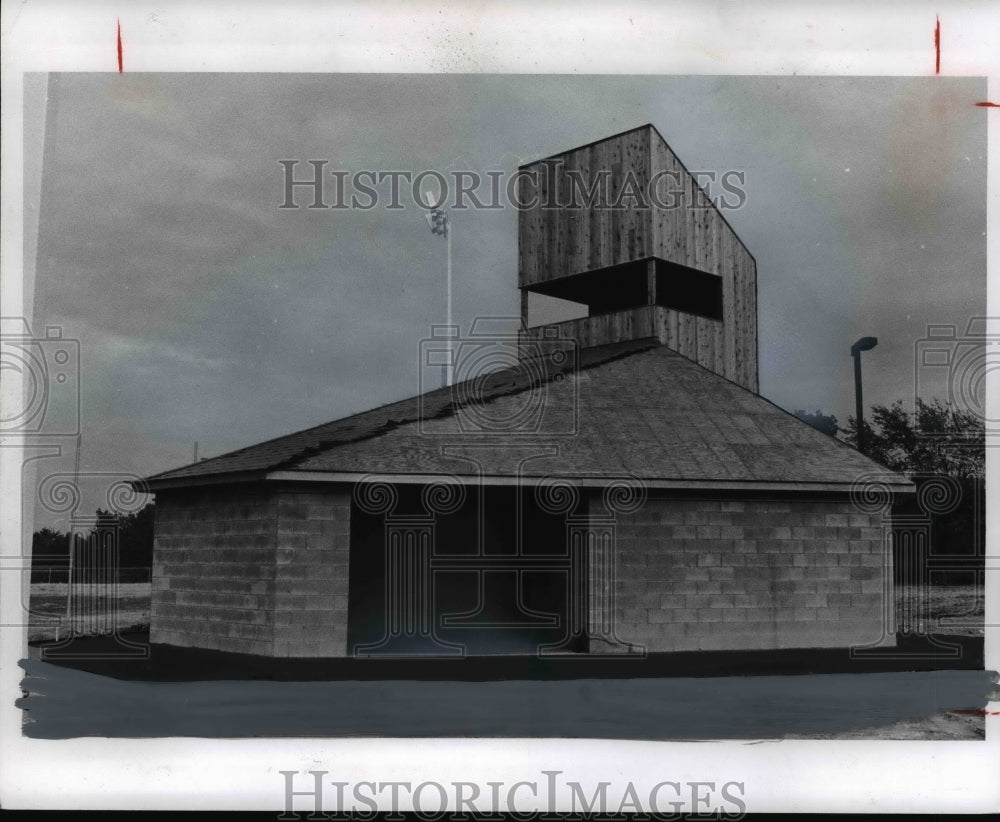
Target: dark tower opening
[
  {"x": 629, "y": 285},
  {"x": 689, "y": 290}
]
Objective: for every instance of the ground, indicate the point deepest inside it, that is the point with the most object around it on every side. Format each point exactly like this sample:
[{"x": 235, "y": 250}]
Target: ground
[
  {"x": 48, "y": 608},
  {"x": 952, "y": 610},
  {"x": 949, "y": 725}
]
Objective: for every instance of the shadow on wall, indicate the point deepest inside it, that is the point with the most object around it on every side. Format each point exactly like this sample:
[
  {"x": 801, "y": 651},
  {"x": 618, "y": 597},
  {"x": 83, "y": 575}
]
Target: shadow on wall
[{"x": 496, "y": 577}]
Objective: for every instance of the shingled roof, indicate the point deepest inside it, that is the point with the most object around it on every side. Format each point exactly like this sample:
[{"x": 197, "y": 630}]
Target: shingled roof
[{"x": 630, "y": 409}]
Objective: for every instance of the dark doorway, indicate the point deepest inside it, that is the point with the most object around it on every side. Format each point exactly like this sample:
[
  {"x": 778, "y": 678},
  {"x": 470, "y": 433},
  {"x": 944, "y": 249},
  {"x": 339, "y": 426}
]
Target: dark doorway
[{"x": 492, "y": 574}]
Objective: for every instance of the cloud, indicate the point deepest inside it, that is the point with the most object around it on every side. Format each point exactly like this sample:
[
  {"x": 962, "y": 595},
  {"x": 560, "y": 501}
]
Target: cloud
[{"x": 209, "y": 313}]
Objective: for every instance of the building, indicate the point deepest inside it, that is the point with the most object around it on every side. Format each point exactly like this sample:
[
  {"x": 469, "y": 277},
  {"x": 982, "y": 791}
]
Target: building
[{"x": 609, "y": 484}]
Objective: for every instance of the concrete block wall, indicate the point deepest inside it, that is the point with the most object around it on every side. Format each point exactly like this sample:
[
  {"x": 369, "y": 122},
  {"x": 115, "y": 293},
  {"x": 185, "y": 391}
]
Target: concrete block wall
[
  {"x": 252, "y": 569},
  {"x": 311, "y": 573},
  {"x": 750, "y": 574},
  {"x": 213, "y": 579}
]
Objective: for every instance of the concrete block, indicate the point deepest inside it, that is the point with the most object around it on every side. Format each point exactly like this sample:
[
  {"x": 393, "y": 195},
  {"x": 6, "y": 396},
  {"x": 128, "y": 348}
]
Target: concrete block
[
  {"x": 872, "y": 586},
  {"x": 863, "y": 573}
]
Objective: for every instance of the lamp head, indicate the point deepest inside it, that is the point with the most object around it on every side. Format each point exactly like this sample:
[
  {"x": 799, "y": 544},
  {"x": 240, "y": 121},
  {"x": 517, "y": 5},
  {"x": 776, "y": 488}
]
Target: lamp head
[{"x": 864, "y": 344}]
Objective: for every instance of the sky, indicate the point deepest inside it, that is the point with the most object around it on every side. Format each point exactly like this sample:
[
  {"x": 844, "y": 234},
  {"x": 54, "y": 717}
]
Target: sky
[{"x": 206, "y": 313}]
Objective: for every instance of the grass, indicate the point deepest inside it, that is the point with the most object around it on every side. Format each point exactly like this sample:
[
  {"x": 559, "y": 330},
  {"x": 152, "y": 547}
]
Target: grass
[
  {"x": 944, "y": 609},
  {"x": 48, "y": 606}
]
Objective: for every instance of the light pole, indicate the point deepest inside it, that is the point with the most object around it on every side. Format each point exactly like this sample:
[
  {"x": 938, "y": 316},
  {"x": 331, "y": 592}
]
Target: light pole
[
  {"x": 440, "y": 222},
  {"x": 450, "y": 373},
  {"x": 864, "y": 344}
]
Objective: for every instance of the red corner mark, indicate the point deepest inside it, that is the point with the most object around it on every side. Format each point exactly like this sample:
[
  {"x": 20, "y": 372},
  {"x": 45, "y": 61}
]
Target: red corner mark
[
  {"x": 937, "y": 59},
  {"x": 937, "y": 45},
  {"x": 120, "y": 69},
  {"x": 974, "y": 712}
]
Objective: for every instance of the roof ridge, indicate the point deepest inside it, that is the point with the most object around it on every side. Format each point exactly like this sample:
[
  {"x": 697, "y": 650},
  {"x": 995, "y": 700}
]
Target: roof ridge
[
  {"x": 585, "y": 362},
  {"x": 452, "y": 407},
  {"x": 785, "y": 411},
  {"x": 270, "y": 440}
]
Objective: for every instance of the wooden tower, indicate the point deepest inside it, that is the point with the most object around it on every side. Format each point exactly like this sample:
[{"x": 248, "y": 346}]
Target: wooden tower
[{"x": 621, "y": 227}]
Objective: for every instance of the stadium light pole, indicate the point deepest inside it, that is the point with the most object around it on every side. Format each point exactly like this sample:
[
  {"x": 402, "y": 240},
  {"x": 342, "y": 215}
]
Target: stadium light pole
[
  {"x": 440, "y": 222},
  {"x": 864, "y": 344}
]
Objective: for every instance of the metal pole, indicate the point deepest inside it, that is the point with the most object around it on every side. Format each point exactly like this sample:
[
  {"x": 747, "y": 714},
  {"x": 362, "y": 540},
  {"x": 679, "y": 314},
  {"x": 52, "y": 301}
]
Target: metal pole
[
  {"x": 858, "y": 404},
  {"x": 451, "y": 353},
  {"x": 72, "y": 544}
]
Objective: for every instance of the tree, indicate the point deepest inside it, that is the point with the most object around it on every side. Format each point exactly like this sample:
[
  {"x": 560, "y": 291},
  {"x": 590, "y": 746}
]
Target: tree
[
  {"x": 827, "y": 423},
  {"x": 50, "y": 548},
  {"x": 936, "y": 439},
  {"x": 135, "y": 536}
]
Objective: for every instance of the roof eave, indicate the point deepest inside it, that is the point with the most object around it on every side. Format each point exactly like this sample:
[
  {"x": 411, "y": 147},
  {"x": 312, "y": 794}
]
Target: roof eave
[
  {"x": 153, "y": 484},
  {"x": 896, "y": 485}
]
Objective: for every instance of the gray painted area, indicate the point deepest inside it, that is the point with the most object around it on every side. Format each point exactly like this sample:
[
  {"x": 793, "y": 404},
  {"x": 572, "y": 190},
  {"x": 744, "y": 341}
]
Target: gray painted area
[{"x": 64, "y": 703}]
